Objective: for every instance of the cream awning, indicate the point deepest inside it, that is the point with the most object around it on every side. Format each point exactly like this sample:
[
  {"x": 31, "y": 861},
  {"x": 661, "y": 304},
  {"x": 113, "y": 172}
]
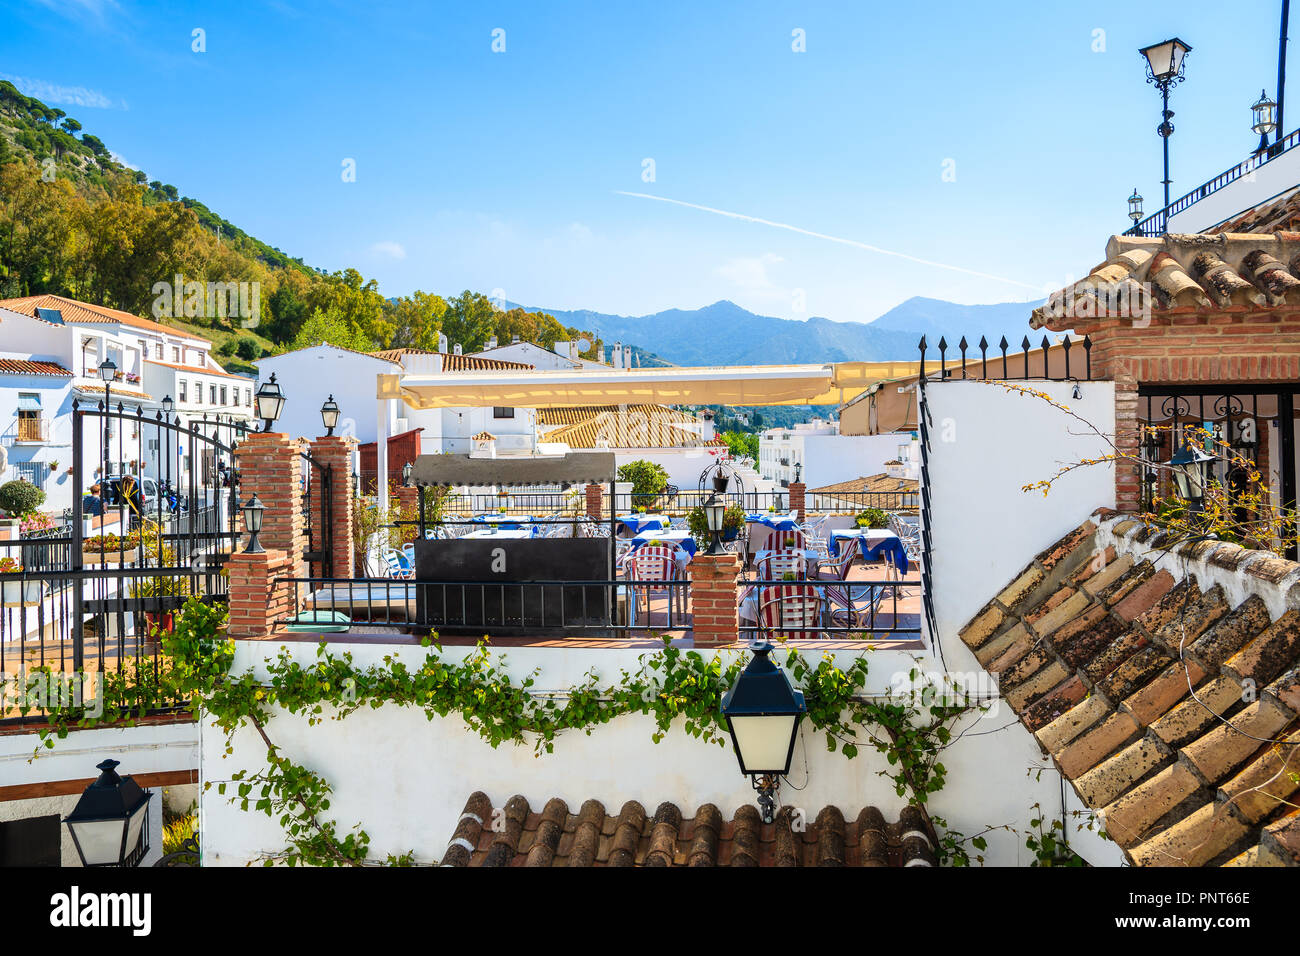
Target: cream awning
[{"x": 827, "y": 384}]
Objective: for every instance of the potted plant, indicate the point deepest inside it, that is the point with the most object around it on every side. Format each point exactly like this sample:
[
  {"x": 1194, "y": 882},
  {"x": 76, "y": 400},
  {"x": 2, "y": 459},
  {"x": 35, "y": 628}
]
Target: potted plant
[
  {"x": 872, "y": 518},
  {"x": 17, "y": 593},
  {"x": 720, "y": 481},
  {"x": 733, "y": 520},
  {"x": 788, "y": 542},
  {"x": 161, "y": 620},
  {"x": 110, "y": 548}
]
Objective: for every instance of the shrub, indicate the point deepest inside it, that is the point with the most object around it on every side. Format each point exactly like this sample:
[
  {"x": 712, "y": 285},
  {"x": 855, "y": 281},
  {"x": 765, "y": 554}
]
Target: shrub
[
  {"x": 20, "y": 496},
  {"x": 733, "y": 519},
  {"x": 874, "y": 518},
  {"x": 227, "y": 347},
  {"x": 648, "y": 478},
  {"x": 249, "y": 349}
]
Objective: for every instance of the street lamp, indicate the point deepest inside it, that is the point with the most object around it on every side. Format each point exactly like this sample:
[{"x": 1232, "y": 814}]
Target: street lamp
[
  {"x": 1165, "y": 70},
  {"x": 110, "y": 823},
  {"x": 1264, "y": 112},
  {"x": 108, "y": 373},
  {"x": 253, "y": 510},
  {"x": 270, "y": 402},
  {"x": 167, "y": 406},
  {"x": 329, "y": 414},
  {"x": 1191, "y": 466},
  {"x": 715, "y": 511},
  {"x": 762, "y": 712},
  {"x": 1135, "y": 207},
  {"x": 406, "y": 475}
]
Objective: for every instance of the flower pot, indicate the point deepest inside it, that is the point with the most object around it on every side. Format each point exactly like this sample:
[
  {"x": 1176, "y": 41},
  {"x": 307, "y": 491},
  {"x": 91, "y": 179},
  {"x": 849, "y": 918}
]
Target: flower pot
[
  {"x": 720, "y": 482},
  {"x": 17, "y": 593},
  {"x": 730, "y": 534}
]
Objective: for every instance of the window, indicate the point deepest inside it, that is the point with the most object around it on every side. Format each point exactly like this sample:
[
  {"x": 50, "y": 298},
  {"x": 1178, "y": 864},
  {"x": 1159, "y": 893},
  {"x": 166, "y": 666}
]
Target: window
[
  {"x": 176, "y": 355},
  {"x": 29, "y": 416},
  {"x": 248, "y": 397},
  {"x": 223, "y": 395},
  {"x": 181, "y": 384},
  {"x": 198, "y": 392},
  {"x": 157, "y": 350},
  {"x": 212, "y": 394},
  {"x": 498, "y": 412}
]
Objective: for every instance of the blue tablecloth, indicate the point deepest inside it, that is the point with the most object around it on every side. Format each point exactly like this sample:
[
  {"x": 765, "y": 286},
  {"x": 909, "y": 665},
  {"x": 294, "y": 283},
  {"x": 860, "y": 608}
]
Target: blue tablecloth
[
  {"x": 870, "y": 545},
  {"x": 680, "y": 539},
  {"x": 505, "y": 522},
  {"x": 780, "y": 522},
  {"x": 647, "y": 522}
]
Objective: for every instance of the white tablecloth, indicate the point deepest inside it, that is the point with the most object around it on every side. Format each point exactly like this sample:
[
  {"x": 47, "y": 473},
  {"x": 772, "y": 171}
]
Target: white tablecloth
[{"x": 495, "y": 533}]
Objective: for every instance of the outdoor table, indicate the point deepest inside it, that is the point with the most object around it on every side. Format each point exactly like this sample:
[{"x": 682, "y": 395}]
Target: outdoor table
[
  {"x": 680, "y": 540},
  {"x": 812, "y": 556},
  {"x": 501, "y": 533},
  {"x": 509, "y": 521},
  {"x": 872, "y": 543},
  {"x": 780, "y": 520},
  {"x": 636, "y": 523}
]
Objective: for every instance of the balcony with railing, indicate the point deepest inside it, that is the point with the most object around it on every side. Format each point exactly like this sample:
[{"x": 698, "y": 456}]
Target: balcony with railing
[{"x": 31, "y": 429}]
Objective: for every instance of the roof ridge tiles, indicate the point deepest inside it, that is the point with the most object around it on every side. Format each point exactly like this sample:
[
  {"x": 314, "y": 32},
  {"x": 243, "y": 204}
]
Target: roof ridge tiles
[{"x": 1154, "y": 670}]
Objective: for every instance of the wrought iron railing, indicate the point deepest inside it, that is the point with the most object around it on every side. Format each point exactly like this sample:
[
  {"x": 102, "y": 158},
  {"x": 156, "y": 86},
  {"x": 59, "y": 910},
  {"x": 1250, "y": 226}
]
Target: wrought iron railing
[
  {"x": 864, "y": 609},
  {"x": 1157, "y": 223}
]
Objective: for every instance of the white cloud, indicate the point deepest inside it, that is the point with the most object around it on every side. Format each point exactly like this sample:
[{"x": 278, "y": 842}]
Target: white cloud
[
  {"x": 63, "y": 95},
  {"x": 388, "y": 249},
  {"x": 750, "y": 274}
]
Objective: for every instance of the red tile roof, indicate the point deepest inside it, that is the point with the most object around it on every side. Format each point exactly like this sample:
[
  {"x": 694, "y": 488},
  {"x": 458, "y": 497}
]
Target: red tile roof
[
  {"x": 556, "y": 837},
  {"x": 86, "y": 313},
  {"x": 198, "y": 370},
  {"x": 1095, "y": 649},
  {"x": 26, "y": 367}
]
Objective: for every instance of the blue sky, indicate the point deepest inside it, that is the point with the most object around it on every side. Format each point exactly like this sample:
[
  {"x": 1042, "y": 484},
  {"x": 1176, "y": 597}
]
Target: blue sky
[{"x": 485, "y": 170}]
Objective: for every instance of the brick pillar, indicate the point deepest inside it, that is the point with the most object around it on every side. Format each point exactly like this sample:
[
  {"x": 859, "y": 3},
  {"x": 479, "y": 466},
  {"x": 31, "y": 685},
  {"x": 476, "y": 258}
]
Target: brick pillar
[
  {"x": 796, "y": 490},
  {"x": 715, "y": 599},
  {"x": 595, "y": 498},
  {"x": 270, "y": 467},
  {"x": 334, "y": 452},
  {"x": 258, "y": 599},
  {"x": 1128, "y": 474}
]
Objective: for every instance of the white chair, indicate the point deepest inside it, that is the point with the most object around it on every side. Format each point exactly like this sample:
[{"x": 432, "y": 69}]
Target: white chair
[{"x": 393, "y": 561}]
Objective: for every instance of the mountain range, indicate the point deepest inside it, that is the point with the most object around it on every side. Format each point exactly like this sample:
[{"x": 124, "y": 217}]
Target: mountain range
[{"x": 726, "y": 334}]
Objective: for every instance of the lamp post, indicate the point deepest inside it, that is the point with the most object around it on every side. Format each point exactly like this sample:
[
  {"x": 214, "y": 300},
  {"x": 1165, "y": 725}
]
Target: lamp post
[
  {"x": 1264, "y": 113},
  {"x": 110, "y": 823},
  {"x": 1165, "y": 70},
  {"x": 107, "y": 372},
  {"x": 1191, "y": 466},
  {"x": 715, "y": 511},
  {"x": 270, "y": 402},
  {"x": 406, "y": 475},
  {"x": 762, "y": 712},
  {"x": 329, "y": 414},
  {"x": 1135, "y": 207},
  {"x": 253, "y": 510}
]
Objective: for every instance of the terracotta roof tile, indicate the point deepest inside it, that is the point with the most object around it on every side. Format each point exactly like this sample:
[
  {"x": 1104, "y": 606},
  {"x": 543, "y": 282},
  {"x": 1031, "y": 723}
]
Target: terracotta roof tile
[
  {"x": 1096, "y": 649},
  {"x": 80, "y": 313},
  {"x": 27, "y": 367},
  {"x": 556, "y": 837}
]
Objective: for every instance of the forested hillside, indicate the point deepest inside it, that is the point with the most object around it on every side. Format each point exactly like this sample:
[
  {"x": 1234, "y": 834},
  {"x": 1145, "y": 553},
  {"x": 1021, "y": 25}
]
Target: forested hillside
[{"x": 75, "y": 221}]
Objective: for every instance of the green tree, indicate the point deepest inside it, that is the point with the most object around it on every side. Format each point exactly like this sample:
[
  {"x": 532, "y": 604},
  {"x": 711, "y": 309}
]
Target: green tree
[
  {"x": 469, "y": 321},
  {"x": 416, "y": 320},
  {"x": 329, "y": 328},
  {"x": 648, "y": 478},
  {"x": 741, "y": 444},
  {"x": 71, "y": 126}
]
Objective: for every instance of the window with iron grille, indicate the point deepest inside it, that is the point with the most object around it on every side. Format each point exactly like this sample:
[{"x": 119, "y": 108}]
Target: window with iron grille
[
  {"x": 181, "y": 384},
  {"x": 498, "y": 412},
  {"x": 34, "y": 471}
]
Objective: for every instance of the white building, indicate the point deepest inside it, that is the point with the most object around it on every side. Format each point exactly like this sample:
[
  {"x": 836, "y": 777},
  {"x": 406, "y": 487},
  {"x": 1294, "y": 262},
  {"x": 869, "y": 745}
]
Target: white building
[
  {"x": 819, "y": 455},
  {"x": 51, "y": 348}
]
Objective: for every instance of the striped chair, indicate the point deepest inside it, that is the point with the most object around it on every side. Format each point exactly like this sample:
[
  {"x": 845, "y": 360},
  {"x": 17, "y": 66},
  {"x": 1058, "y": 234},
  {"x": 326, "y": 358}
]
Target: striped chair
[
  {"x": 775, "y": 565},
  {"x": 776, "y": 540},
  {"x": 837, "y": 568},
  {"x": 656, "y": 566},
  {"x": 790, "y": 611},
  {"x": 396, "y": 566}
]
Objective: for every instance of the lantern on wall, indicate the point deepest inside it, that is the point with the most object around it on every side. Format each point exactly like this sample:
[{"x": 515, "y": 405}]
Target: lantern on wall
[
  {"x": 1192, "y": 475},
  {"x": 110, "y": 823}
]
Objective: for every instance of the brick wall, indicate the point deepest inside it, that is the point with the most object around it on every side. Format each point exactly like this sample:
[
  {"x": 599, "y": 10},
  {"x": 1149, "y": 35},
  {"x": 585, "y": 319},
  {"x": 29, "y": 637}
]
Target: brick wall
[
  {"x": 334, "y": 452},
  {"x": 796, "y": 490},
  {"x": 270, "y": 467},
  {"x": 595, "y": 495},
  {"x": 258, "y": 596},
  {"x": 714, "y": 599}
]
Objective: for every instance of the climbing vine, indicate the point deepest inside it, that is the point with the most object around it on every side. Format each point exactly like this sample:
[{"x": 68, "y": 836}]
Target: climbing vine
[{"x": 909, "y": 730}]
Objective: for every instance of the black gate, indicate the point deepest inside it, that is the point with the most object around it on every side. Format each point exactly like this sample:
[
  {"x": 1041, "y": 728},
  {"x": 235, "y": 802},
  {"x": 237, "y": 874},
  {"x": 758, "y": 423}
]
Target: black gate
[
  {"x": 317, "y": 484},
  {"x": 1256, "y": 422},
  {"x": 153, "y": 520}
]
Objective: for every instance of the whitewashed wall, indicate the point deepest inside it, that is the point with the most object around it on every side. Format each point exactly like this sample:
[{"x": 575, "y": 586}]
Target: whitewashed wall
[
  {"x": 828, "y": 459},
  {"x": 406, "y": 778},
  {"x": 153, "y": 748},
  {"x": 987, "y": 443}
]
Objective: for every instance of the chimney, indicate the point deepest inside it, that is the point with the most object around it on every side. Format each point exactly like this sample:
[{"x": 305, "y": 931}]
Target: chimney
[
  {"x": 457, "y": 349},
  {"x": 514, "y": 340},
  {"x": 492, "y": 342},
  {"x": 442, "y": 343}
]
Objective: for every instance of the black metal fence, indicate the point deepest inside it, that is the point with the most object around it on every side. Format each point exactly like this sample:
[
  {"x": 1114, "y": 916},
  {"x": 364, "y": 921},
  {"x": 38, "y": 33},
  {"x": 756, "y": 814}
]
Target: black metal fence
[
  {"x": 985, "y": 361},
  {"x": 866, "y": 609},
  {"x": 849, "y": 502}
]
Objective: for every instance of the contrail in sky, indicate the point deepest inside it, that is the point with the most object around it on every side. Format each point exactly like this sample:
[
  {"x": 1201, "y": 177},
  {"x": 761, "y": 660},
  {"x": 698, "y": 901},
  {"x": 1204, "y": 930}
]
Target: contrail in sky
[{"x": 821, "y": 235}]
